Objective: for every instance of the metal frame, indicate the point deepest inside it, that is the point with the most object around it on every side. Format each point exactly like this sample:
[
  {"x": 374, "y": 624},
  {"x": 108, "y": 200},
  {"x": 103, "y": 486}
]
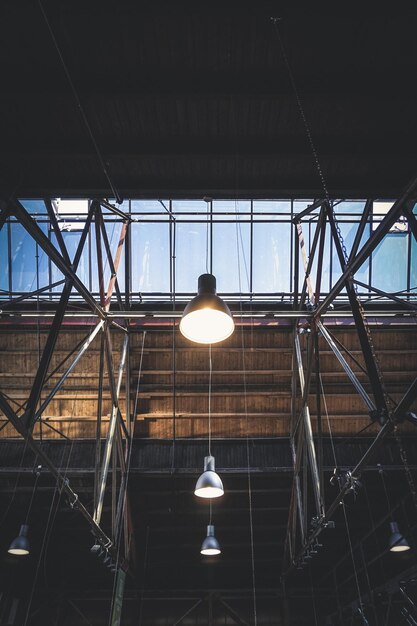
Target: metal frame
[
  {"x": 300, "y": 542},
  {"x": 305, "y": 306},
  {"x": 174, "y": 220},
  {"x": 120, "y": 429}
]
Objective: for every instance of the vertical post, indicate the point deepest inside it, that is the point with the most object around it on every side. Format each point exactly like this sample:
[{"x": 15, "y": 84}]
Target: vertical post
[{"x": 309, "y": 432}]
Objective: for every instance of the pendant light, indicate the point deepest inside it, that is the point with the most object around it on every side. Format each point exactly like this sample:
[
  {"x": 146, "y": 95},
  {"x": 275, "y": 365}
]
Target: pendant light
[
  {"x": 20, "y": 545},
  {"x": 210, "y": 545},
  {"x": 207, "y": 319},
  {"x": 397, "y": 542},
  {"x": 209, "y": 484}
]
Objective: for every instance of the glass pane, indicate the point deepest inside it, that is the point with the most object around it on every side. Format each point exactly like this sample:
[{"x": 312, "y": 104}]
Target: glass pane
[
  {"x": 72, "y": 240},
  {"x": 301, "y": 205},
  {"x": 389, "y": 263},
  {"x": 271, "y": 257},
  {"x": 4, "y": 259},
  {"x": 183, "y": 209},
  {"x": 231, "y": 257},
  {"x": 24, "y": 262},
  {"x": 34, "y": 206},
  {"x": 72, "y": 207},
  {"x": 350, "y": 207},
  {"x": 113, "y": 230},
  {"x": 272, "y": 206},
  {"x": 150, "y": 257},
  {"x": 232, "y": 207},
  {"x": 190, "y": 250},
  {"x": 151, "y": 209},
  {"x": 348, "y": 232}
]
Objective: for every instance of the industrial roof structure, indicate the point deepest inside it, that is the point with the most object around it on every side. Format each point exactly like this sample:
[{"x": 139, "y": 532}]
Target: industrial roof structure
[{"x": 146, "y": 144}]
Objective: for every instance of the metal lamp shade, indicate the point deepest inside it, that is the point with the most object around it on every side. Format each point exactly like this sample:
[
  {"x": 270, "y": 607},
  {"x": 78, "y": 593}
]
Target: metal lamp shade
[
  {"x": 397, "y": 542},
  {"x": 209, "y": 485},
  {"x": 20, "y": 545},
  {"x": 210, "y": 545},
  {"x": 207, "y": 319}
]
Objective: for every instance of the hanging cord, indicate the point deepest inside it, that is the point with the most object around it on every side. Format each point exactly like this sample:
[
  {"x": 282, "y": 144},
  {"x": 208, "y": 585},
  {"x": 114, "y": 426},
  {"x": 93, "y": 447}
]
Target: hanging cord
[
  {"x": 255, "y": 613},
  {"x": 342, "y": 502},
  {"x": 209, "y": 400},
  {"x": 328, "y": 420},
  {"x": 207, "y": 236},
  {"x": 145, "y": 563},
  {"x": 101, "y": 160},
  {"x": 211, "y": 512},
  {"x": 37, "y": 472},
  {"x": 352, "y": 556},
  {"x": 381, "y": 473},
  {"x": 313, "y": 598},
  {"x": 44, "y": 542},
  {"x": 404, "y": 460},
  {"x": 174, "y": 352},
  {"x": 19, "y": 473},
  {"x": 275, "y": 22},
  {"x": 330, "y": 204}
]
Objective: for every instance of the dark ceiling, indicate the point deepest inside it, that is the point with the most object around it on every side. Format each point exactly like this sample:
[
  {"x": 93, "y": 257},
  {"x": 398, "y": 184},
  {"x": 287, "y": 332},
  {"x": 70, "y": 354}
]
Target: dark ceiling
[{"x": 188, "y": 99}]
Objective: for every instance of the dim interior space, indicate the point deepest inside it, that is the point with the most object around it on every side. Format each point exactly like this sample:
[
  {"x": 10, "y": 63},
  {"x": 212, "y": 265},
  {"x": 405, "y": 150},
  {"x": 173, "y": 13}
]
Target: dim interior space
[{"x": 208, "y": 315}]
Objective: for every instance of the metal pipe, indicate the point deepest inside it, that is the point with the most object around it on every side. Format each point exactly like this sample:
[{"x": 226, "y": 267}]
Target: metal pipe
[
  {"x": 110, "y": 438},
  {"x": 69, "y": 369},
  {"x": 309, "y": 432},
  {"x": 351, "y": 374}
]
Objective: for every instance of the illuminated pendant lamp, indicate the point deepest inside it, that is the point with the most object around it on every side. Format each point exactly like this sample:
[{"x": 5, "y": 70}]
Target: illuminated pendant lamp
[
  {"x": 20, "y": 545},
  {"x": 210, "y": 545},
  {"x": 397, "y": 541},
  {"x": 207, "y": 319},
  {"x": 209, "y": 485}
]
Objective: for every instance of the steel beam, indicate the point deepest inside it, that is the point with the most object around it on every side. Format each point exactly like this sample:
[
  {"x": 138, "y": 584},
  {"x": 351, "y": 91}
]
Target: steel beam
[
  {"x": 398, "y": 415},
  {"x": 29, "y": 416},
  {"x": 42, "y": 240},
  {"x": 69, "y": 369},
  {"x": 351, "y": 374},
  {"x": 110, "y": 438},
  {"x": 31, "y": 294},
  {"x": 361, "y": 229},
  {"x": 363, "y": 334},
  {"x": 370, "y": 245},
  {"x": 391, "y": 296},
  {"x": 411, "y": 218},
  {"x": 231, "y": 612},
  {"x": 62, "y": 481}
]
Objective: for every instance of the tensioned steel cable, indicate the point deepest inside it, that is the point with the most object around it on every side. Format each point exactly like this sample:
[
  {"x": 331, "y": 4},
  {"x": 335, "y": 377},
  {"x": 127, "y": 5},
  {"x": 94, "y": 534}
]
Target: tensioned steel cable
[{"x": 80, "y": 107}]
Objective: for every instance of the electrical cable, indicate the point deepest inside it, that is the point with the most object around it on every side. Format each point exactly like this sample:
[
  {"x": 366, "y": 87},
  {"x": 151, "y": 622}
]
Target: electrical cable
[
  {"x": 255, "y": 612},
  {"x": 80, "y": 107},
  {"x": 209, "y": 399},
  {"x": 301, "y": 109},
  {"x": 145, "y": 564},
  {"x": 328, "y": 420}
]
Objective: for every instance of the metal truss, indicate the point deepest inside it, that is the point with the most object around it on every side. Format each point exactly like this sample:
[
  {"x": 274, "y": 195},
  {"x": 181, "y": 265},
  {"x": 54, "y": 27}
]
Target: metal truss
[
  {"x": 304, "y": 525},
  {"x": 119, "y": 436}
]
